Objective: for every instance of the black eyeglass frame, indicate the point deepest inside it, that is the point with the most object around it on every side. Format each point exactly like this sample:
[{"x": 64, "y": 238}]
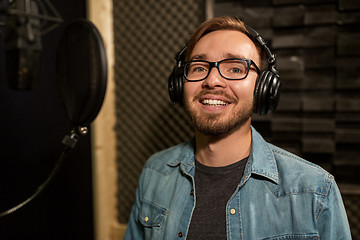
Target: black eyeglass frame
[{"x": 217, "y": 64}]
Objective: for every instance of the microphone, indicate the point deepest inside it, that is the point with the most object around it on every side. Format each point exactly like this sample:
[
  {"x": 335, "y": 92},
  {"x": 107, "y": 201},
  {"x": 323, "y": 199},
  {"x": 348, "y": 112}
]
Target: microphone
[
  {"x": 22, "y": 46},
  {"x": 23, "y": 31}
]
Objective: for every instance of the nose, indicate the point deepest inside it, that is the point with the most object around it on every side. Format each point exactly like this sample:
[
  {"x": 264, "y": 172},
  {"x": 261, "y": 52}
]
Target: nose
[{"x": 214, "y": 79}]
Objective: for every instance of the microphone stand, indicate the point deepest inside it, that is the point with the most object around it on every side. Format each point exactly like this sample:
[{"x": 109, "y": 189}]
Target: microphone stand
[
  {"x": 25, "y": 12},
  {"x": 70, "y": 142}
]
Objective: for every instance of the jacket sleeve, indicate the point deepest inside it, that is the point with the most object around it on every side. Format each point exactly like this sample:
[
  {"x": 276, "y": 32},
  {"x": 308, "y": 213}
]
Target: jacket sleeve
[
  {"x": 332, "y": 220},
  {"x": 135, "y": 229}
]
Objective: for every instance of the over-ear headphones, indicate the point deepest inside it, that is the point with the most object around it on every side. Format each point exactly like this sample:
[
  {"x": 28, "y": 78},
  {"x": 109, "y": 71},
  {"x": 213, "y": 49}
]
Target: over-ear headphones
[{"x": 267, "y": 88}]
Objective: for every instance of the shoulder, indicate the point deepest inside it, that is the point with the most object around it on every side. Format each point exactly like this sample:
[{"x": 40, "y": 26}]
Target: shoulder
[
  {"x": 292, "y": 162},
  {"x": 297, "y": 175},
  {"x": 287, "y": 170}
]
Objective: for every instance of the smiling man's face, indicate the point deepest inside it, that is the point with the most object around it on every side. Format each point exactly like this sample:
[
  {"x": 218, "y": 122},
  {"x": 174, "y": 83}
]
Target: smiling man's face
[{"x": 217, "y": 106}]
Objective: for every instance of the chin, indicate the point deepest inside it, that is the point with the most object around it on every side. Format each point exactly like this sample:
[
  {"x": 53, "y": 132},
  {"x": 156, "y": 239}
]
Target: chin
[{"x": 212, "y": 125}]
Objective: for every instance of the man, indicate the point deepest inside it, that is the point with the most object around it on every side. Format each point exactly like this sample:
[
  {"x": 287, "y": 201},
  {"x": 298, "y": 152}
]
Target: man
[{"x": 228, "y": 183}]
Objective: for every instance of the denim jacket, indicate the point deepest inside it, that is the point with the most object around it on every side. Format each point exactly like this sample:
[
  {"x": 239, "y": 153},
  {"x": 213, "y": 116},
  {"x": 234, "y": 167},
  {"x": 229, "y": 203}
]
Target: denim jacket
[{"x": 280, "y": 196}]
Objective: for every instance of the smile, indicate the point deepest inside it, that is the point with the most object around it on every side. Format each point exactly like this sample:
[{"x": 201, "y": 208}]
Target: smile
[{"x": 213, "y": 102}]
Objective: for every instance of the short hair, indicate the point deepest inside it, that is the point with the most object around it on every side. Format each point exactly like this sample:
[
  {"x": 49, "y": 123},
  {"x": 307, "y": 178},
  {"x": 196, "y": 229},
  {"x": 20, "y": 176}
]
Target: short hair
[{"x": 223, "y": 23}]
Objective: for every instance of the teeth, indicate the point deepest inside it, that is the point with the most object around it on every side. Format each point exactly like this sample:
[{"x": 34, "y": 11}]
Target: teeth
[{"x": 213, "y": 102}]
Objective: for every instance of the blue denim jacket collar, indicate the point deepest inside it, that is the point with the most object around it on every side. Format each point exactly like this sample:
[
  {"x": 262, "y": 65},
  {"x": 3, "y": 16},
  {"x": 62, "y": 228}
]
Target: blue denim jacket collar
[
  {"x": 262, "y": 159},
  {"x": 186, "y": 159},
  {"x": 257, "y": 163}
]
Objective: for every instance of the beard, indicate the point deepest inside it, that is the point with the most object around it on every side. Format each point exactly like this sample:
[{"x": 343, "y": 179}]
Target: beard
[{"x": 214, "y": 124}]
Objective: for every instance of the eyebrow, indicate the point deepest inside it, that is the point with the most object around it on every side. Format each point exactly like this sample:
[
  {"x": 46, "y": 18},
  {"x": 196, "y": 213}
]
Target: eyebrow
[
  {"x": 198, "y": 57},
  {"x": 203, "y": 56},
  {"x": 230, "y": 55}
]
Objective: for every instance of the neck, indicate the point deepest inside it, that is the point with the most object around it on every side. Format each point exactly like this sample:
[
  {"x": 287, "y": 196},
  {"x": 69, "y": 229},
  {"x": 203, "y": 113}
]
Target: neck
[{"x": 218, "y": 151}]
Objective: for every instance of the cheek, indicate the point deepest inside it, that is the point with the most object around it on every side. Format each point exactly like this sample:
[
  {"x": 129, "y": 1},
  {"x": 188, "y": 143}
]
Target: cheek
[
  {"x": 190, "y": 89},
  {"x": 244, "y": 89}
]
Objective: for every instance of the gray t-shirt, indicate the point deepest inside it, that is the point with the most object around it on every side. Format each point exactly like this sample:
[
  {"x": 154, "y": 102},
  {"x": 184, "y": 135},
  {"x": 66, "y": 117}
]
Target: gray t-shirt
[{"x": 213, "y": 187}]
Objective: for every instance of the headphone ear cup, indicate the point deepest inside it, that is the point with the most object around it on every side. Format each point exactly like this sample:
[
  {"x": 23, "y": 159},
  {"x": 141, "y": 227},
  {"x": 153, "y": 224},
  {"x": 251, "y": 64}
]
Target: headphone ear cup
[
  {"x": 180, "y": 87},
  {"x": 267, "y": 92},
  {"x": 274, "y": 92},
  {"x": 171, "y": 86},
  {"x": 175, "y": 85},
  {"x": 257, "y": 93}
]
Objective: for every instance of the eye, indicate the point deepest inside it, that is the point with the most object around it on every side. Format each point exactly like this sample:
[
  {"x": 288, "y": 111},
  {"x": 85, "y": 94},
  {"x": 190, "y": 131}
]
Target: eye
[
  {"x": 236, "y": 70},
  {"x": 233, "y": 67},
  {"x": 197, "y": 68}
]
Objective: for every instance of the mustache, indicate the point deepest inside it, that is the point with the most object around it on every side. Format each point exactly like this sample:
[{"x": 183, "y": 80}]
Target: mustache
[{"x": 217, "y": 92}]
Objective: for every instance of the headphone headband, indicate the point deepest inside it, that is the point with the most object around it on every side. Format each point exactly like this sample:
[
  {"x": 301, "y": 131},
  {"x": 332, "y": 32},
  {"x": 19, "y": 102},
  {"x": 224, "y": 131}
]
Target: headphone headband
[
  {"x": 180, "y": 56},
  {"x": 271, "y": 60}
]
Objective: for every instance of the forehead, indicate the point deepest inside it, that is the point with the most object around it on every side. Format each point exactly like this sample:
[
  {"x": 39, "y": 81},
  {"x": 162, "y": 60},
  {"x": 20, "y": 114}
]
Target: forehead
[{"x": 220, "y": 44}]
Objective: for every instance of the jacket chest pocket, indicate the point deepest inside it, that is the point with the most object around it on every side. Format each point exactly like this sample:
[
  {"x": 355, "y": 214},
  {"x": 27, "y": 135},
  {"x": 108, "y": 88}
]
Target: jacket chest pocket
[
  {"x": 309, "y": 236},
  {"x": 151, "y": 214}
]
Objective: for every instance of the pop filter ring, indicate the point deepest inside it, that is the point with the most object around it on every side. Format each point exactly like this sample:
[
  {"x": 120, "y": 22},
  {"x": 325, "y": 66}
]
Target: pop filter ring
[{"x": 82, "y": 99}]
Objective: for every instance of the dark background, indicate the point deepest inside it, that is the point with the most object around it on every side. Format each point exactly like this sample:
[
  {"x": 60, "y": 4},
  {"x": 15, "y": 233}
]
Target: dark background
[{"x": 32, "y": 126}]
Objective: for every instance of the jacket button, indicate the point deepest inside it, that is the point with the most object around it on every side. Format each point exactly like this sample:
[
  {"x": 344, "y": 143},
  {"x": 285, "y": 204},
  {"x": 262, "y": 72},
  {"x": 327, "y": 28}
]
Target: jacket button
[
  {"x": 180, "y": 234},
  {"x": 232, "y": 211},
  {"x": 146, "y": 219}
]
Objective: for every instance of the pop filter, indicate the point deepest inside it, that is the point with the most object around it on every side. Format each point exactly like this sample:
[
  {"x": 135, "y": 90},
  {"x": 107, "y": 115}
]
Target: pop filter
[
  {"x": 81, "y": 76},
  {"x": 81, "y": 71}
]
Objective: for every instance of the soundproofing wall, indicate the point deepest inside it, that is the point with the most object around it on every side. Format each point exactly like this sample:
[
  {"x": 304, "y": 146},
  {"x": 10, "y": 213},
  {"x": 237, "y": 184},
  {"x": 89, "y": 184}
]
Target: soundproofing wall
[{"x": 147, "y": 35}]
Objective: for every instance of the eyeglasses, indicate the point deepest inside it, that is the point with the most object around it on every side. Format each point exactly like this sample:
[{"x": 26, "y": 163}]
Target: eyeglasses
[{"x": 230, "y": 69}]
